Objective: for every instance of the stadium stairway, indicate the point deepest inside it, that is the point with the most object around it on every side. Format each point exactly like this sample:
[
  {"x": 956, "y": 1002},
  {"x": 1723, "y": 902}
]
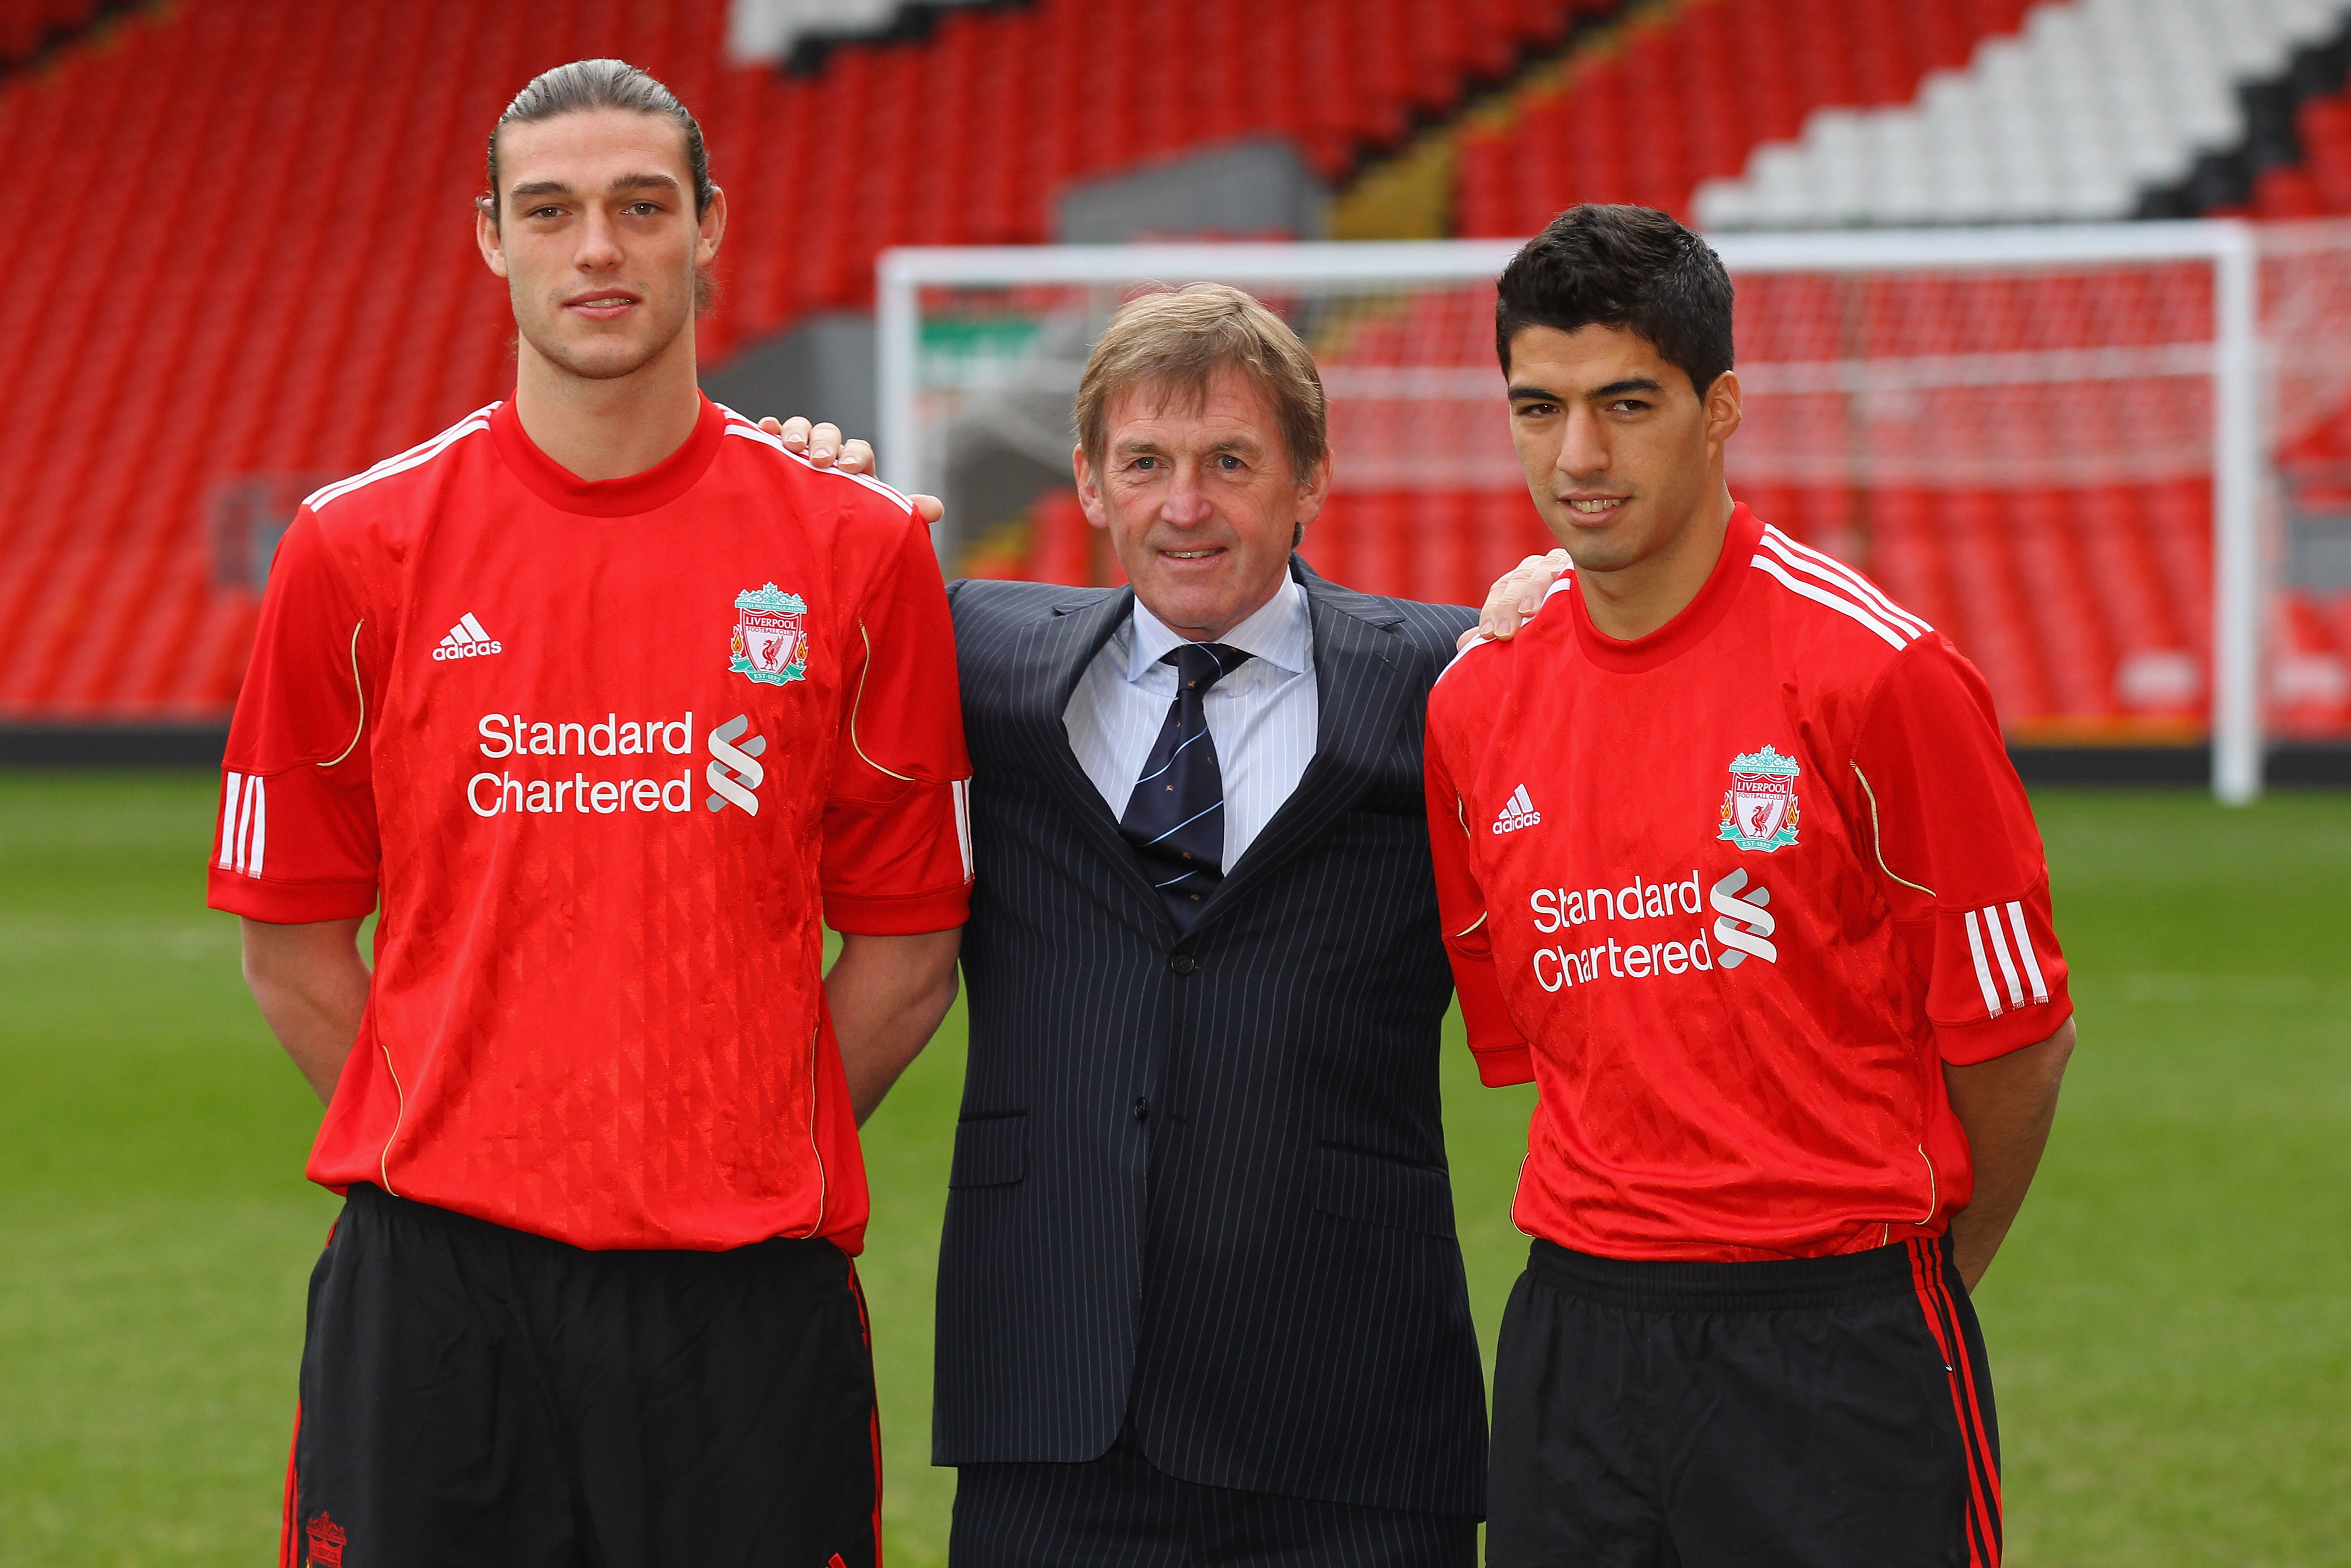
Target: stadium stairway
[{"x": 294, "y": 292}]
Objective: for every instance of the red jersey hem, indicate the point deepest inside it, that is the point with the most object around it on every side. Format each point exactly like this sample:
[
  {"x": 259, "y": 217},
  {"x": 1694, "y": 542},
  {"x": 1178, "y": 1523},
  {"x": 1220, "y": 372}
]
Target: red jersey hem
[
  {"x": 288, "y": 903},
  {"x": 898, "y": 914},
  {"x": 1974, "y": 1044}
]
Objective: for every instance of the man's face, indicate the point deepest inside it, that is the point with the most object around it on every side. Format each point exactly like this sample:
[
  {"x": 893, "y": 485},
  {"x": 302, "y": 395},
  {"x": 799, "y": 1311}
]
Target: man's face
[
  {"x": 1200, "y": 503},
  {"x": 597, "y": 237},
  {"x": 1621, "y": 454}
]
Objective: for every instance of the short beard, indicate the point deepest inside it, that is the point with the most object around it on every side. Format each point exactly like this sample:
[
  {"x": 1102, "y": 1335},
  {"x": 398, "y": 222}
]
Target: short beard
[{"x": 562, "y": 359}]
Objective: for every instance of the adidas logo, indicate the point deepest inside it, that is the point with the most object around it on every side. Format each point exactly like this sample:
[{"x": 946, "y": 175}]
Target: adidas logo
[
  {"x": 466, "y": 640},
  {"x": 1518, "y": 812}
]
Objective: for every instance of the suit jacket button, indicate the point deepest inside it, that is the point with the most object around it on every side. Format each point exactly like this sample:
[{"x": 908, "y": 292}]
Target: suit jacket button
[
  {"x": 1142, "y": 1109},
  {"x": 1182, "y": 964}
]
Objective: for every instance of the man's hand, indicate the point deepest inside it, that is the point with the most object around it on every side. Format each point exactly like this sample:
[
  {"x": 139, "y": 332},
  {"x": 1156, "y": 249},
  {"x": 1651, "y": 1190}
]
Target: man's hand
[
  {"x": 1515, "y": 596},
  {"x": 887, "y": 994},
  {"x": 2006, "y": 1105},
  {"x": 312, "y": 987},
  {"x": 822, "y": 445}
]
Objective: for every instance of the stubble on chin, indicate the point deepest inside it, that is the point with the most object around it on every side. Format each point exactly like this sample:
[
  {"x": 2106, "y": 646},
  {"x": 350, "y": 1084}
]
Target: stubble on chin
[{"x": 600, "y": 367}]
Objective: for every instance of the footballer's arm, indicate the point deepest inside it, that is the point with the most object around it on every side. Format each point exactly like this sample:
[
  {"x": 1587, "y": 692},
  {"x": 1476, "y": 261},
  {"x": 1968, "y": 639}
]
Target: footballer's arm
[
  {"x": 312, "y": 987},
  {"x": 2006, "y": 1106},
  {"x": 887, "y": 994}
]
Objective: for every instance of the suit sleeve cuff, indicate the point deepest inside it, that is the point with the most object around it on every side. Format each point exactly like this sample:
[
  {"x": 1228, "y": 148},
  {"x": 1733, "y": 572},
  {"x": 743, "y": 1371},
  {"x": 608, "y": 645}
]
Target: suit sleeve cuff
[
  {"x": 898, "y": 914},
  {"x": 288, "y": 903}
]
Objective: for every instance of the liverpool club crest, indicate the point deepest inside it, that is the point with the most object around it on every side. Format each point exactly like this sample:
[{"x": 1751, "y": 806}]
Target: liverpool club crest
[
  {"x": 1759, "y": 809},
  {"x": 770, "y": 635}
]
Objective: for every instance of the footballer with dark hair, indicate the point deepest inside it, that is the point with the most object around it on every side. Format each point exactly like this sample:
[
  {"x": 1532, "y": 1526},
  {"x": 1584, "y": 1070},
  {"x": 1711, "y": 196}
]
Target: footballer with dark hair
[
  {"x": 1734, "y": 866},
  {"x": 607, "y": 706}
]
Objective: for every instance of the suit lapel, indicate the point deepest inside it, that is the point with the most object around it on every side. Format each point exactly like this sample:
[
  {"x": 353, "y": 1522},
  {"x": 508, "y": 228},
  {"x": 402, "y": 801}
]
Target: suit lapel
[
  {"x": 1044, "y": 670},
  {"x": 1360, "y": 699}
]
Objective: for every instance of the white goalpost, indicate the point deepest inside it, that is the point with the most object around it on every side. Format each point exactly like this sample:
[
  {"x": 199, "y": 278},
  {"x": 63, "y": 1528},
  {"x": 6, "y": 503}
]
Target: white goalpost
[{"x": 1900, "y": 375}]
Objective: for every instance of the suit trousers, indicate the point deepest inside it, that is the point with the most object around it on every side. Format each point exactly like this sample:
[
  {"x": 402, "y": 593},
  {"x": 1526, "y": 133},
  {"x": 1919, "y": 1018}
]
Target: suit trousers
[{"x": 1123, "y": 1511}]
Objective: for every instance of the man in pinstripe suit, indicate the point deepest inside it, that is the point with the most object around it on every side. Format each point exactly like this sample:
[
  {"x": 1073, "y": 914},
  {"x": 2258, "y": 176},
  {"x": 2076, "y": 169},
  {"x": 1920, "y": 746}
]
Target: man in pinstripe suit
[{"x": 1199, "y": 1294}]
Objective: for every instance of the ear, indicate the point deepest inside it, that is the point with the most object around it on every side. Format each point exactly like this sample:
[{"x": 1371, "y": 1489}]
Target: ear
[
  {"x": 1722, "y": 409},
  {"x": 485, "y": 235},
  {"x": 1089, "y": 495},
  {"x": 1315, "y": 491},
  {"x": 712, "y": 227}
]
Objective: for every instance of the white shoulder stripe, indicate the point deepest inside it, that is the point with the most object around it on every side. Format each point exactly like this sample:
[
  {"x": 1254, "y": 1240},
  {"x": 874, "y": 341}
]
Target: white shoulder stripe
[
  {"x": 415, "y": 456},
  {"x": 738, "y": 425},
  {"x": 1831, "y": 571},
  {"x": 1896, "y": 640},
  {"x": 2024, "y": 951}
]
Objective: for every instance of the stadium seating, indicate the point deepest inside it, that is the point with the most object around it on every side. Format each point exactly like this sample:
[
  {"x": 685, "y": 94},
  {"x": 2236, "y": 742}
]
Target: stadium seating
[
  {"x": 28, "y": 27},
  {"x": 288, "y": 286},
  {"x": 321, "y": 305},
  {"x": 2093, "y": 104}
]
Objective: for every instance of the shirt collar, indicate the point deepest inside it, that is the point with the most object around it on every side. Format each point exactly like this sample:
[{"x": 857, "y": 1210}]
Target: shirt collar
[{"x": 1279, "y": 632}]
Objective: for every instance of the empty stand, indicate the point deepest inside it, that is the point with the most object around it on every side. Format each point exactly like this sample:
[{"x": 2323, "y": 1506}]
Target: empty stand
[{"x": 275, "y": 273}]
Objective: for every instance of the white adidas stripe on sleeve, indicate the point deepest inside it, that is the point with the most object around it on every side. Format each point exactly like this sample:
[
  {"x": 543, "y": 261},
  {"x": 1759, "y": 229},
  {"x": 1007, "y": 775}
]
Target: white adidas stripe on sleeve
[
  {"x": 244, "y": 824},
  {"x": 2024, "y": 951},
  {"x": 1984, "y": 970},
  {"x": 962, "y": 790}
]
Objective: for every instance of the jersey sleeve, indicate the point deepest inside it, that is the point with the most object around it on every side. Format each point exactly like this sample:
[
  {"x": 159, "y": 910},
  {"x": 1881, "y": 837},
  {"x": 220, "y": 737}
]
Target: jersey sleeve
[
  {"x": 295, "y": 838},
  {"x": 897, "y": 826},
  {"x": 1958, "y": 857},
  {"x": 1501, "y": 1053}
]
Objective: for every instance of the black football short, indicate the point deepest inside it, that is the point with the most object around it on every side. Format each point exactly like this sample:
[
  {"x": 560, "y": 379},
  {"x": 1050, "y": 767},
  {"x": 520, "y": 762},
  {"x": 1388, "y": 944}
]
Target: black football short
[
  {"x": 1822, "y": 1411},
  {"x": 473, "y": 1395}
]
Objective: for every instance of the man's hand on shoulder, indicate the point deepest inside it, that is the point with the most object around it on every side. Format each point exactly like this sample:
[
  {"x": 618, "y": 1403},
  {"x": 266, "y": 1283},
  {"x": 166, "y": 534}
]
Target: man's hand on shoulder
[
  {"x": 823, "y": 447},
  {"x": 1516, "y": 595}
]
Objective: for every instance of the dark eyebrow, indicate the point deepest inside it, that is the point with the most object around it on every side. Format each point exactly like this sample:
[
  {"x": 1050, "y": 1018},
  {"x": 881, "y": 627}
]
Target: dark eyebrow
[
  {"x": 1613, "y": 390},
  {"x": 537, "y": 188}
]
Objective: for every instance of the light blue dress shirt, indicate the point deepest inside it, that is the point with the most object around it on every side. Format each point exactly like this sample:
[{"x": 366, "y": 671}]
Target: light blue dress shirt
[{"x": 1263, "y": 717}]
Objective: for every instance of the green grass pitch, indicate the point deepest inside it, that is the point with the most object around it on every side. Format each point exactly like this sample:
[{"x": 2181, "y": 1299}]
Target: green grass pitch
[{"x": 2170, "y": 1325}]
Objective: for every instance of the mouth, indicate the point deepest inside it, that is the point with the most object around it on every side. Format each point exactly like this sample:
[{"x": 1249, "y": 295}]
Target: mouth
[
  {"x": 1192, "y": 554},
  {"x": 1595, "y": 507},
  {"x": 606, "y": 306}
]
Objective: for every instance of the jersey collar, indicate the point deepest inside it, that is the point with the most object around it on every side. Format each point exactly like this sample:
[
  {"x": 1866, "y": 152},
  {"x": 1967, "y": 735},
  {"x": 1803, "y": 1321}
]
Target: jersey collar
[
  {"x": 1698, "y": 618},
  {"x": 658, "y": 486}
]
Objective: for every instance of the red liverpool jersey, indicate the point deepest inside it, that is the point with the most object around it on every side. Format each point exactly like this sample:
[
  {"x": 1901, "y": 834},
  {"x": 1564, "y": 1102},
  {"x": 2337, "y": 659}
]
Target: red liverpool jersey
[
  {"x": 611, "y": 755},
  {"x": 1732, "y": 895}
]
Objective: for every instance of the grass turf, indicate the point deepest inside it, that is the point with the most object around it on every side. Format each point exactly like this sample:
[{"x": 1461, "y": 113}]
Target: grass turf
[{"x": 2170, "y": 1325}]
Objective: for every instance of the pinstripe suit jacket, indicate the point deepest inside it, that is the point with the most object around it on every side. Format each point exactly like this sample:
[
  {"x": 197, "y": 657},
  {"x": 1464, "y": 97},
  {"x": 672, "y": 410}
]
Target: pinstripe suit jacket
[{"x": 1201, "y": 1178}]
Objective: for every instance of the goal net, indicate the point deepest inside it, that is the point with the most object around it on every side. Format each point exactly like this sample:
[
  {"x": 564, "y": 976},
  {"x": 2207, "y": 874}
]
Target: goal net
[{"x": 2112, "y": 462}]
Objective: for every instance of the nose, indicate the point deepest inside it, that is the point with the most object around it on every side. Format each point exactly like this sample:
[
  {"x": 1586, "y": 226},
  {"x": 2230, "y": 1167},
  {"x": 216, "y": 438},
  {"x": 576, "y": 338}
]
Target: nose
[
  {"x": 600, "y": 242},
  {"x": 1186, "y": 504},
  {"x": 1583, "y": 446}
]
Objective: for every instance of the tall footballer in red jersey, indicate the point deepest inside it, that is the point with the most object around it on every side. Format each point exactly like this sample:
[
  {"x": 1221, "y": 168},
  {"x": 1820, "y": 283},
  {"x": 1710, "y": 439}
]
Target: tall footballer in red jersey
[
  {"x": 607, "y": 706},
  {"x": 1734, "y": 865}
]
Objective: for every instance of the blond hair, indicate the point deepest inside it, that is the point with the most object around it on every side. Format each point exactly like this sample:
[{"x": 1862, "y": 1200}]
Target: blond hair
[{"x": 1177, "y": 340}]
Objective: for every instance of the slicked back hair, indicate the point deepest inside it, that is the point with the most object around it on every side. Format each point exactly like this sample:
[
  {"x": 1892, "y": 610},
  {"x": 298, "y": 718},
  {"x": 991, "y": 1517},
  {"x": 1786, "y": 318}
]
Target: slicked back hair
[
  {"x": 1633, "y": 269},
  {"x": 1177, "y": 340},
  {"x": 586, "y": 85}
]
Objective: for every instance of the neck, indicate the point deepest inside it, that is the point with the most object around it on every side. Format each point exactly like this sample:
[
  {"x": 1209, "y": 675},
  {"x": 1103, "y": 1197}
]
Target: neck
[
  {"x": 1634, "y": 601},
  {"x": 609, "y": 429}
]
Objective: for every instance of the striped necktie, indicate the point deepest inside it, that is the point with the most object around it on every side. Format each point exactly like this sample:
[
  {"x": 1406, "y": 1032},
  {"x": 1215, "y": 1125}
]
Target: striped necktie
[{"x": 1175, "y": 817}]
